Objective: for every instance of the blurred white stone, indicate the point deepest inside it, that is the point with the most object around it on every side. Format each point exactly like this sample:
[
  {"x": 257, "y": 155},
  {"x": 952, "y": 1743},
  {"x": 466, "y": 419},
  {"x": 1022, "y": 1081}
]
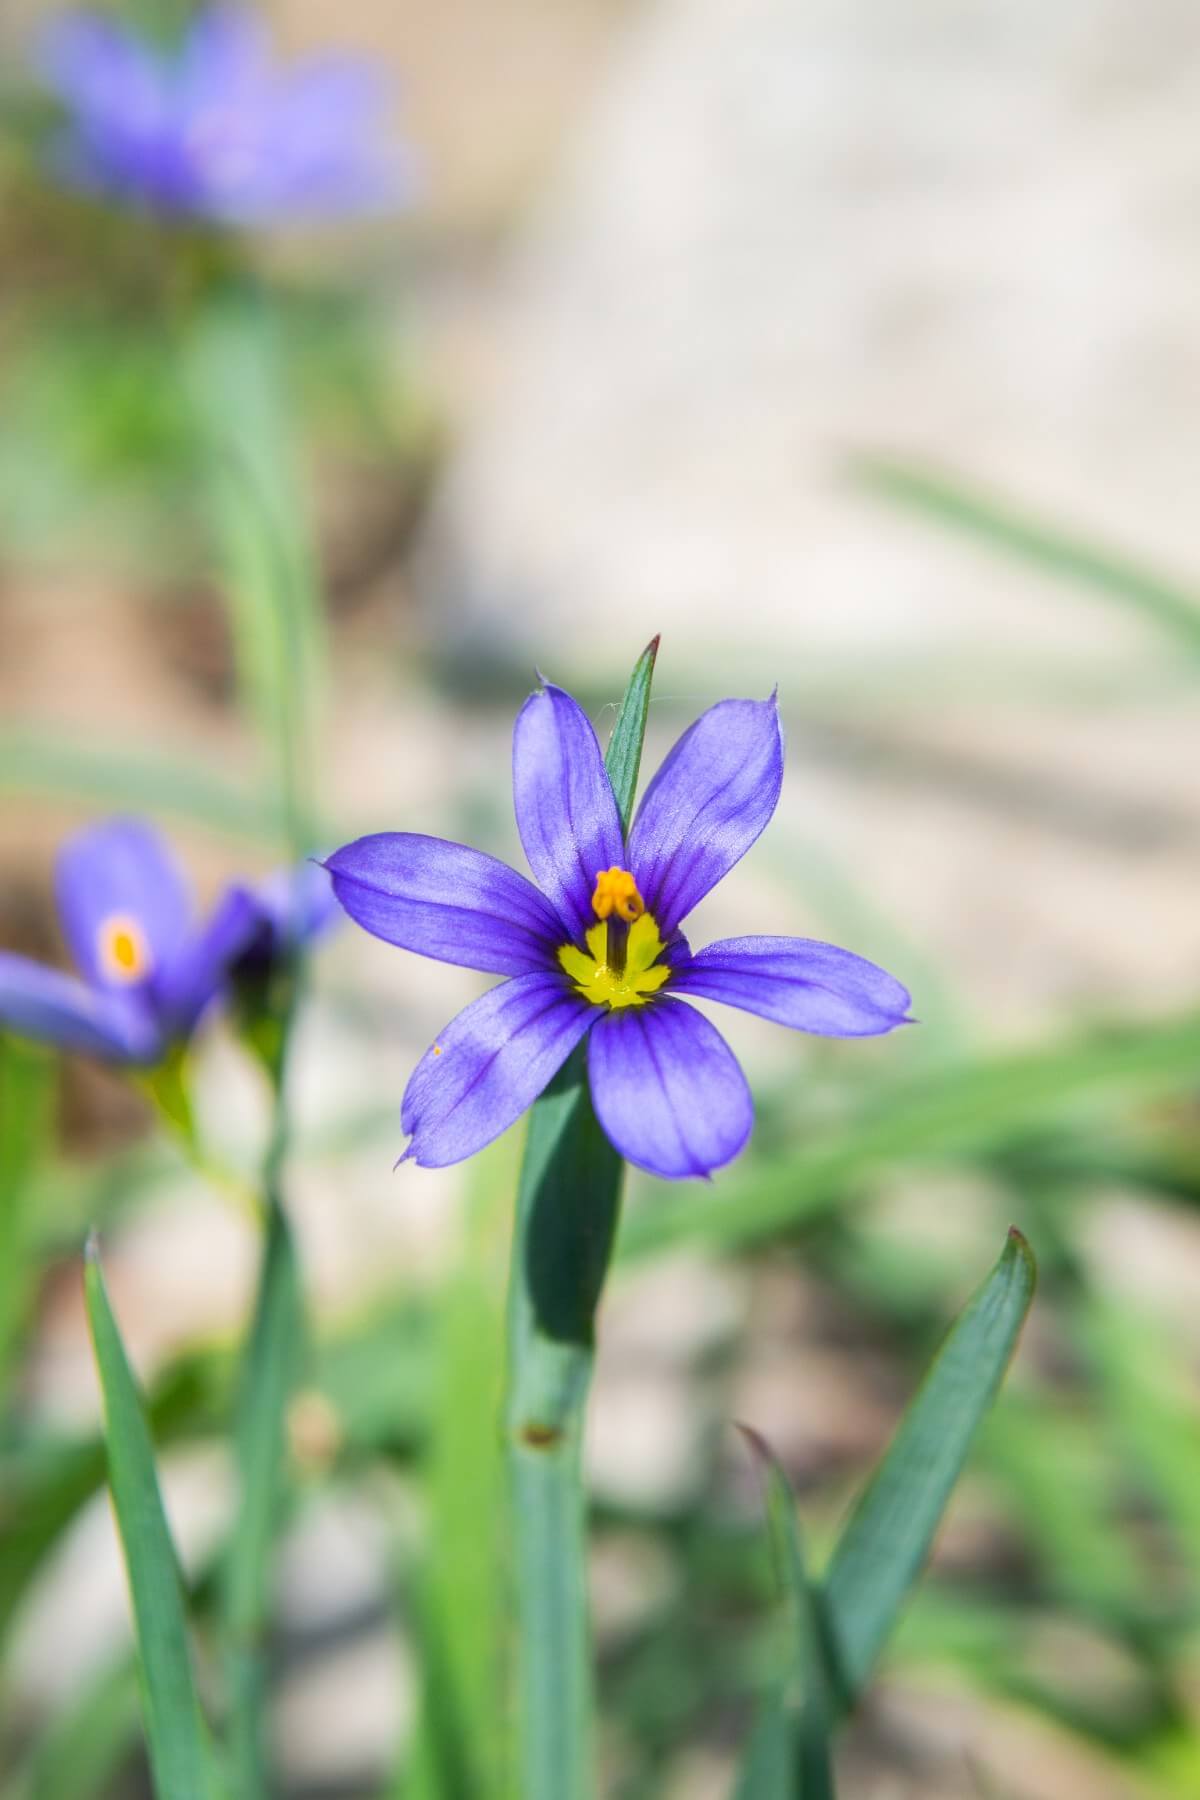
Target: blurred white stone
[
  {"x": 334, "y": 1561},
  {"x": 180, "y": 1271},
  {"x": 630, "y": 1578},
  {"x": 649, "y": 1419},
  {"x": 787, "y": 231},
  {"x": 345, "y": 1714}
]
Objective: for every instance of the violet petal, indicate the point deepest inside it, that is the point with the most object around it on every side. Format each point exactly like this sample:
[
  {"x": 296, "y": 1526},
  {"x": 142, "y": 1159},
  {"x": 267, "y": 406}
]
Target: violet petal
[
  {"x": 566, "y": 811},
  {"x": 489, "y": 1064},
  {"x": 121, "y": 870},
  {"x": 668, "y": 1090},
  {"x": 447, "y": 901},
  {"x": 798, "y": 982},
  {"x": 707, "y": 804},
  {"x": 53, "y": 1008}
]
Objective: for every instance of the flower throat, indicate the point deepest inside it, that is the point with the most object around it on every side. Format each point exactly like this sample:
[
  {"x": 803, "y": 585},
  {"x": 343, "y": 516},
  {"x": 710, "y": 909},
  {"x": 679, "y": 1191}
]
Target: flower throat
[{"x": 620, "y": 966}]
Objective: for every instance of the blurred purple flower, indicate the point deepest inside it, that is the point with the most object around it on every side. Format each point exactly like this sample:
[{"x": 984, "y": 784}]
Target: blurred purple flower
[
  {"x": 148, "y": 970},
  {"x": 597, "y": 947},
  {"x": 213, "y": 130}
]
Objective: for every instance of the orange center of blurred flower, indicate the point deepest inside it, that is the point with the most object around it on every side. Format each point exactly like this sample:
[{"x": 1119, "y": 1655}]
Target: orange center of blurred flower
[{"x": 124, "y": 954}]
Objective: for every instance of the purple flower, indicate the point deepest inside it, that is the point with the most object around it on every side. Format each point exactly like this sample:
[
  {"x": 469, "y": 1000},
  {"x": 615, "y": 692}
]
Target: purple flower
[
  {"x": 596, "y": 948},
  {"x": 291, "y": 907},
  {"x": 212, "y": 130},
  {"x": 148, "y": 970}
]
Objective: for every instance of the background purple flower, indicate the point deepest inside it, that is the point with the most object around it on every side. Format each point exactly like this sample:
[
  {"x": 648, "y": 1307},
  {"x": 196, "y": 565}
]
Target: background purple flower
[
  {"x": 213, "y": 129},
  {"x": 147, "y": 970},
  {"x": 596, "y": 948}
]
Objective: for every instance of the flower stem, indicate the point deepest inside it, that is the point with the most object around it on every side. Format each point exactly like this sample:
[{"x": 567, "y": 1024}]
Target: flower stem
[
  {"x": 241, "y": 408},
  {"x": 568, "y": 1201},
  {"x": 567, "y": 1204}
]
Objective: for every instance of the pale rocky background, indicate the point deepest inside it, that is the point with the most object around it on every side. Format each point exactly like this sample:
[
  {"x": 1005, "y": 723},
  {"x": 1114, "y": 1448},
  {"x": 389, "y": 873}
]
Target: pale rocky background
[{"x": 676, "y": 263}]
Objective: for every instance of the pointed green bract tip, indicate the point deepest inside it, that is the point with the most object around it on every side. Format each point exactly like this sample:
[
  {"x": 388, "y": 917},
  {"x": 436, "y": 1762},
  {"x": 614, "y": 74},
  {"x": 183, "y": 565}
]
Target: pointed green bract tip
[
  {"x": 623, "y": 757},
  {"x": 1018, "y": 1249}
]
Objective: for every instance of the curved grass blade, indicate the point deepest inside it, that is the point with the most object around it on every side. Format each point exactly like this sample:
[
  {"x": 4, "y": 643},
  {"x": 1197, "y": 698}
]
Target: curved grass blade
[
  {"x": 1106, "y": 572},
  {"x": 126, "y": 780},
  {"x": 883, "y": 1547},
  {"x": 789, "y": 1755},
  {"x": 176, "y": 1736}
]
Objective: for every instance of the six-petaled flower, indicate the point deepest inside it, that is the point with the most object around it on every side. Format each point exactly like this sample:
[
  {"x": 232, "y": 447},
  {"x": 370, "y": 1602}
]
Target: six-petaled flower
[
  {"x": 147, "y": 970},
  {"x": 596, "y": 950},
  {"x": 211, "y": 129}
]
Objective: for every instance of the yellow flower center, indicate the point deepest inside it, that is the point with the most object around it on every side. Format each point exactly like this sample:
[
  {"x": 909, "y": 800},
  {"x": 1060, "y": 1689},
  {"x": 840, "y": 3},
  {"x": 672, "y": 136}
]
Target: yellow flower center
[
  {"x": 124, "y": 953},
  {"x": 616, "y": 892},
  {"x": 602, "y": 976}
]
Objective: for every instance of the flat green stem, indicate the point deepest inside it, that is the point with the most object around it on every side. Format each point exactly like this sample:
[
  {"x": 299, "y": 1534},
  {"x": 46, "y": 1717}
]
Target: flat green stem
[
  {"x": 242, "y": 410},
  {"x": 568, "y": 1200},
  {"x": 567, "y": 1205}
]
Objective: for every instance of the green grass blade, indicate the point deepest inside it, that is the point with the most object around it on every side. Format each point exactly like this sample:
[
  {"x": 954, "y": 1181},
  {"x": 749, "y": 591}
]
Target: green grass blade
[
  {"x": 623, "y": 757},
  {"x": 1148, "y": 1408},
  {"x": 462, "y": 1606},
  {"x": 129, "y": 781},
  {"x": 789, "y": 1756},
  {"x": 883, "y": 1547},
  {"x": 27, "y": 1086},
  {"x": 176, "y": 1737},
  {"x": 245, "y": 432},
  {"x": 1149, "y": 596},
  {"x": 958, "y": 1112},
  {"x": 268, "y": 1379},
  {"x": 768, "y": 1770},
  {"x": 82, "y": 1749},
  {"x": 1048, "y": 1462}
]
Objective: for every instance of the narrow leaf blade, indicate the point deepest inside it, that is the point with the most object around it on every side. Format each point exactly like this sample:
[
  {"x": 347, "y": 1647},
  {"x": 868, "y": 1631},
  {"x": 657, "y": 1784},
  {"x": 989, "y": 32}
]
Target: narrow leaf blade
[
  {"x": 883, "y": 1547},
  {"x": 175, "y": 1732},
  {"x": 462, "y": 1599},
  {"x": 269, "y": 1377},
  {"x": 623, "y": 758},
  {"x": 789, "y": 1756},
  {"x": 1110, "y": 574}
]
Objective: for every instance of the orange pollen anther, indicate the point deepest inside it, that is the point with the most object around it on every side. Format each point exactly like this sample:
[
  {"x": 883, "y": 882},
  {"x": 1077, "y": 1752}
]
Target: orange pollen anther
[{"x": 616, "y": 892}]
